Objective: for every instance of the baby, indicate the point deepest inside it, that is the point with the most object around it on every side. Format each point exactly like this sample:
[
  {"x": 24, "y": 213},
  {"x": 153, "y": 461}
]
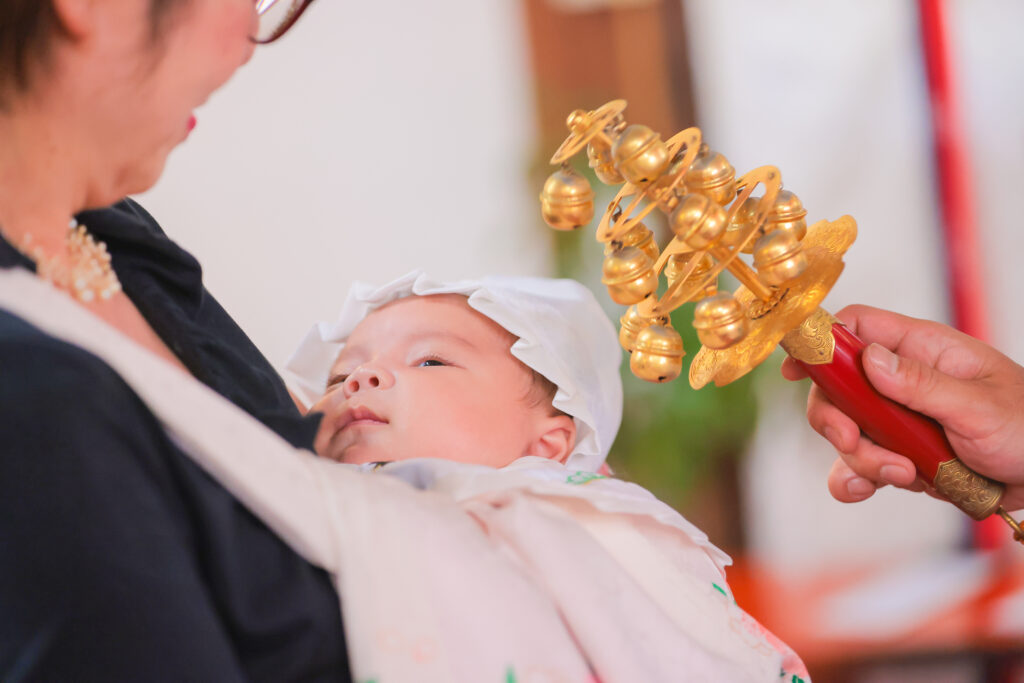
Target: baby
[
  {"x": 481, "y": 372},
  {"x": 503, "y": 396}
]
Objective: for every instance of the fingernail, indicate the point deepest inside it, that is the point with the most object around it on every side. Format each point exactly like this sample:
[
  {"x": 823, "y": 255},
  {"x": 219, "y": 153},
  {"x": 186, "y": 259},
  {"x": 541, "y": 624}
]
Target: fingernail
[
  {"x": 882, "y": 358},
  {"x": 859, "y": 487},
  {"x": 894, "y": 475},
  {"x": 833, "y": 438}
]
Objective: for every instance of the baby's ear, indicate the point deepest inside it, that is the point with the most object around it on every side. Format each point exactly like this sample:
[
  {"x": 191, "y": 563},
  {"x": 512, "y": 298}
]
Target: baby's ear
[{"x": 556, "y": 436}]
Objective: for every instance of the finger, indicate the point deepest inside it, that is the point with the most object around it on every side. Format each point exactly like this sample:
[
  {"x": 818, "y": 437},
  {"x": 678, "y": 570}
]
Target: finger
[
  {"x": 876, "y": 325},
  {"x": 870, "y": 461},
  {"x": 792, "y": 370},
  {"x": 920, "y": 387},
  {"x": 872, "y": 324},
  {"x": 1013, "y": 499},
  {"x": 832, "y": 423},
  {"x": 866, "y": 458},
  {"x": 846, "y": 486},
  {"x": 932, "y": 343}
]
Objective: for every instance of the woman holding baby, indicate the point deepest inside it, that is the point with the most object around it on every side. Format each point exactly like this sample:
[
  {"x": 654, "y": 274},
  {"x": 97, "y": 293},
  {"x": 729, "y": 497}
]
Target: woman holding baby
[{"x": 120, "y": 558}]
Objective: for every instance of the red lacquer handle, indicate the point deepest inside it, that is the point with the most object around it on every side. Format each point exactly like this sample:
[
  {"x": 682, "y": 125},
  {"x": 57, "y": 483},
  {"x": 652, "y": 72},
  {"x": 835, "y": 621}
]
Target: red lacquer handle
[{"x": 885, "y": 422}]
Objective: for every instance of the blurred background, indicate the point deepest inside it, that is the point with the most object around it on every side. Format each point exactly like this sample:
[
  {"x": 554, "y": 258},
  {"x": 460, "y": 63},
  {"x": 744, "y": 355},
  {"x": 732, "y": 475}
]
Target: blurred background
[{"x": 385, "y": 136}]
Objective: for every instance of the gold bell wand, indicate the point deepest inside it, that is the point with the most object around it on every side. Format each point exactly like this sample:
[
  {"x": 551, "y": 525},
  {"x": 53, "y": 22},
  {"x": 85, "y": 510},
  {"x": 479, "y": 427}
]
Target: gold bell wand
[{"x": 716, "y": 219}]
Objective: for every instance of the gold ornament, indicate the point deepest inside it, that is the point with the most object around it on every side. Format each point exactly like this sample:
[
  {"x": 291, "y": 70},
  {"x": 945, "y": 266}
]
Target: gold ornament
[
  {"x": 973, "y": 493},
  {"x": 578, "y": 121},
  {"x": 784, "y": 309},
  {"x": 677, "y": 264},
  {"x": 631, "y": 324},
  {"x": 812, "y": 342},
  {"x": 779, "y": 258},
  {"x": 742, "y": 221},
  {"x": 787, "y": 215},
  {"x": 698, "y": 221},
  {"x": 640, "y": 155},
  {"x": 716, "y": 218},
  {"x": 657, "y": 354},
  {"x": 712, "y": 176},
  {"x": 567, "y": 200},
  {"x": 720, "y": 321},
  {"x": 599, "y": 156},
  {"x": 629, "y": 275},
  {"x": 638, "y": 236}
]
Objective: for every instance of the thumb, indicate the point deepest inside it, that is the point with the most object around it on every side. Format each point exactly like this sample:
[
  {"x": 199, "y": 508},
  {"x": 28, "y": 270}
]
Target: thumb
[{"x": 919, "y": 386}]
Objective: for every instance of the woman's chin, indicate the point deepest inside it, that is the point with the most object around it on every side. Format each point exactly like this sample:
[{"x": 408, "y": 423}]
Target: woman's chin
[
  {"x": 145, "y": 178},
  {"x": 129, "y": 182}
]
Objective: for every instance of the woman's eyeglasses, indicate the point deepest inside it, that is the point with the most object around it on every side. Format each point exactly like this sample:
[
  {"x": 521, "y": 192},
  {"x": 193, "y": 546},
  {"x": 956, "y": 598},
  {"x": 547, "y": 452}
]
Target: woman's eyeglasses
[{"x": 276, "y": 17}]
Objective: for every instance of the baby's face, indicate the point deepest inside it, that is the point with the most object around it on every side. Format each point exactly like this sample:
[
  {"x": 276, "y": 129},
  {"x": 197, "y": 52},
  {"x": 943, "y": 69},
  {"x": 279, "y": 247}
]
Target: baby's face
[{"x": 427, "y": 377}]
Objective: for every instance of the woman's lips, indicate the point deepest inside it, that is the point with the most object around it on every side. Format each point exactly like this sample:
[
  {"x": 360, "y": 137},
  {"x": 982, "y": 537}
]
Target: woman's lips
[{"x": 191, "y": 122}]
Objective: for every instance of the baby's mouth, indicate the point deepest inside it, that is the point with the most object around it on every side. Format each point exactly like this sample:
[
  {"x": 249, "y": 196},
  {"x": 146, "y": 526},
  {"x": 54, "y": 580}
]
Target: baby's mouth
[{"x": 359, "y": 415}]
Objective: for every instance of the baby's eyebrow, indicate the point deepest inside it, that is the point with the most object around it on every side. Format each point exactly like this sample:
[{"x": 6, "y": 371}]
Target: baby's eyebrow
[{"x": 442, "y": 334}]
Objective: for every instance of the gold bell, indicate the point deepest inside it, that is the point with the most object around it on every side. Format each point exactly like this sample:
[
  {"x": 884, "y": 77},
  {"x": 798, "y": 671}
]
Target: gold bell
[
  {"x": 779, "y": 258},
  {"x": 566, "y": 202},
  {"x": 657, "y": 354},
  {"x": 640, "y": 155},
  {"x": 788, "y": 214},
  {"x": 698, "y": 221},
  {"x": 629, "y": 275},
  {"x": 599, "y": 155},
  {"x": 720, "y": 321},
  {"x": 712, "y": 175},
  {"x": 638, "y": 236},
  {"x": 676, "y": 263},
  {"x": 742, "y": 220},
  {"x": 632, "y": 324}
]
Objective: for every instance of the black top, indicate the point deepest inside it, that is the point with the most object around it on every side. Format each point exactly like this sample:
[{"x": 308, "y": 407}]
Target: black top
[{"x": 120, "y": 559}]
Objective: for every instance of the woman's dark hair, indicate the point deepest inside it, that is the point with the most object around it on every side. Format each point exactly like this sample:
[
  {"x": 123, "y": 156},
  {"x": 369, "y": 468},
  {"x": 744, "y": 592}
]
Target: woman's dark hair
[{"x": 27, "y": 31}]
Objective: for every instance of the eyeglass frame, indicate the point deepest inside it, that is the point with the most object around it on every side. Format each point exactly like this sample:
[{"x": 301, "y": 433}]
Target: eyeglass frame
[{"x": 298, "y": 7}]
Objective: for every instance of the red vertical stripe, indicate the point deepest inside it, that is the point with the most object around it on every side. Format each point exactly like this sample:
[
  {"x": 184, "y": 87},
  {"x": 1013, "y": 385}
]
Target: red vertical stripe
[{"x": 960, "y": 234}]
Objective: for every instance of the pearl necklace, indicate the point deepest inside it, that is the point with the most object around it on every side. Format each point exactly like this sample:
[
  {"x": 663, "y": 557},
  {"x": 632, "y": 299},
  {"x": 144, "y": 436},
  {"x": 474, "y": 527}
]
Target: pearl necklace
[{"x": 87, "y": 275}]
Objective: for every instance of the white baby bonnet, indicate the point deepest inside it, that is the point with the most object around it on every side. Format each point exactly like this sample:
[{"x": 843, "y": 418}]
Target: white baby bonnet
[{"x": 563, "y": 334}]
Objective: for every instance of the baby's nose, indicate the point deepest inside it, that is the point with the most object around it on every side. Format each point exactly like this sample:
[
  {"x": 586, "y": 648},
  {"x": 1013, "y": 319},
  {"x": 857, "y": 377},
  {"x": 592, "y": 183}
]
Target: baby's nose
[{"x": 367, "y": 377}]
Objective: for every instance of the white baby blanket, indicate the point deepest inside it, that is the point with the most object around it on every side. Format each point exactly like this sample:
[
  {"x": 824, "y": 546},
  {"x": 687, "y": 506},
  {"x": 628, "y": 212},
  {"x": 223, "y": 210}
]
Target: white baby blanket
[{"x": 460, "y": 573}]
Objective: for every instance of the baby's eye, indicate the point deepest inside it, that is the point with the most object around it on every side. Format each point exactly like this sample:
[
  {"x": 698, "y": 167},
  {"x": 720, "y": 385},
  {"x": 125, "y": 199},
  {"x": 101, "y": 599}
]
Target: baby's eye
[{"x": 432, "y": 360}]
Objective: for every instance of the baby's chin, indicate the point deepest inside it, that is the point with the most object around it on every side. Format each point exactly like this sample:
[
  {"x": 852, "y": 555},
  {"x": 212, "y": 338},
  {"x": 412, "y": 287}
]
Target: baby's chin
[{"x": 360, "y": 455}]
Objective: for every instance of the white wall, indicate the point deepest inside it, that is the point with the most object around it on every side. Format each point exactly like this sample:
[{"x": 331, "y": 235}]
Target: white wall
[{"x": 374, "y": 138}]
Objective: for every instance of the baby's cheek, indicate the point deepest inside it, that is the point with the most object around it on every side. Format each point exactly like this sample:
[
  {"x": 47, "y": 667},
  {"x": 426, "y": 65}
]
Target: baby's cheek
[{"x": 436, "y": 434}]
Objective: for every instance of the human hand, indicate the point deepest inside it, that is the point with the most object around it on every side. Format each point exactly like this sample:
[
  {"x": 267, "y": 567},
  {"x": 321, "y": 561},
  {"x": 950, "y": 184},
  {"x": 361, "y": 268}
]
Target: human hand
[{"x": 972, "y": 390}]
